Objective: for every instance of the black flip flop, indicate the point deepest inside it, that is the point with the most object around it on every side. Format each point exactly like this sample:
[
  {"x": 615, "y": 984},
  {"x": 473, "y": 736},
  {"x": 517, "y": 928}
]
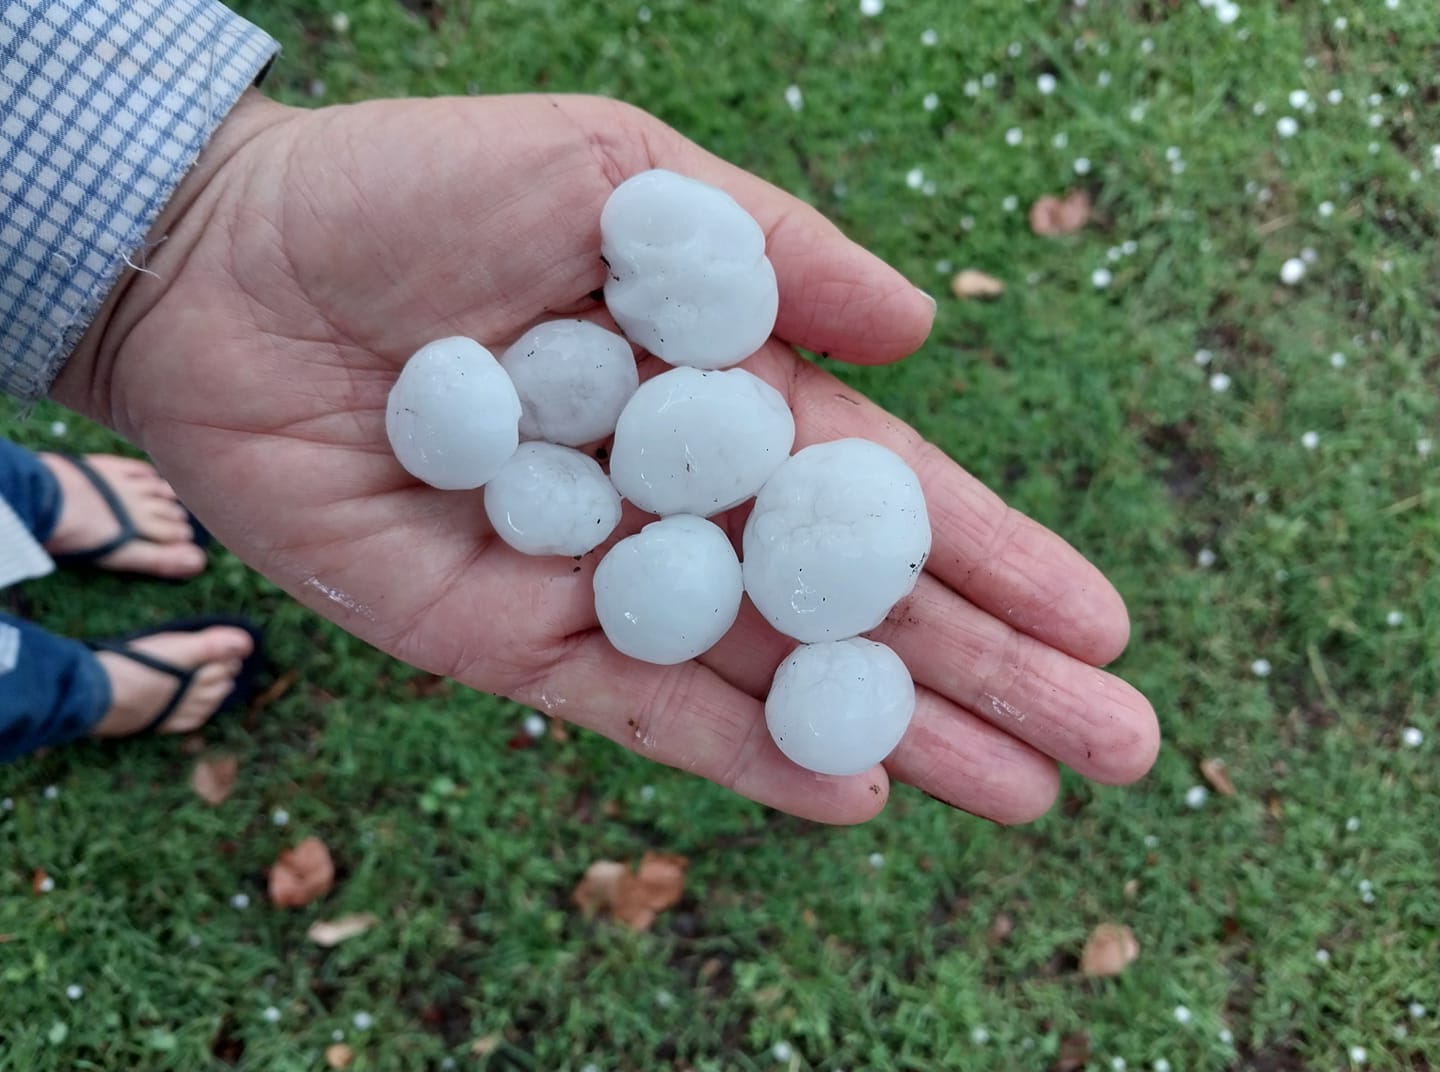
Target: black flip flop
[
  {"x": 244, "y": 681},
  {"x": 128, "y": 531}
]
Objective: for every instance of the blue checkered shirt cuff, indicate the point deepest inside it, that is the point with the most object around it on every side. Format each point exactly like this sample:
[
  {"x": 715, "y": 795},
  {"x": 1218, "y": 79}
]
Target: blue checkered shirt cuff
[{"x": 104, "y": 106}]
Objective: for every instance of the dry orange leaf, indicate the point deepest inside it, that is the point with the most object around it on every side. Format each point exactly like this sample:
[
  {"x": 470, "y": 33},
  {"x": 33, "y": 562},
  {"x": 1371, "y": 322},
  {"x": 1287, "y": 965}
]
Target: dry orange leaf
[
  {"x": 214, "y": 779},
  {"x": 331, "y": 932},
  {"x": 1110, "y": 948},
  {"x": 633, "y": 898},
  {"x": 37, "y": 881},
  {"x": 1215, "y": 773},
  {"x": 339, "y": 1055},
  {"x": 1052, "y": 217},
  {"x": 302, "y": 874},
  {"x": 1074, "y": 1052},
  {"x": 975, "y": 284}
]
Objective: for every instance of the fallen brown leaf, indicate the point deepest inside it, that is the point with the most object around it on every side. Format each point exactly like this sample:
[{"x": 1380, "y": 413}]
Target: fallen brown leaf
[
  {"x": 339, "y": 1055},
  {"x": 1110, "y": 948},
  {"x": 214, "y": 779},
  {"x": 1074, "y": 1052},
  {"x": 1052, "y": 217},
  {"x": 1000, "y": 927},
  {"x": 37, "y": 881},
  {"x": 1219, "y": 778},
  {"x": 331, "y": 932},
  {"x": 975, "y": 284},
  {"x": 633, "y": 898},
  {"x": 302, "y": 874},
  {"x": 278, "y": 688},
  {"x": 486, "y": 1045}
]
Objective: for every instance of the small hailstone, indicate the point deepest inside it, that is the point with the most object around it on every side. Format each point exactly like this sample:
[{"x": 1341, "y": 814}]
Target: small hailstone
[
  {"x": 972, "y": 88},
  {"x": 1129, "y": 246},
  {"x": 967, "y": 223},
  {"x": 1260, "y": 668},
  {"x": 1322, "y": 956},
  {"x": 989, "y": 79},
  {"x": 1010, "y": 203},
  {"x": 74, "y": 992},
  {"x": 1299, "y": 98},
  {"x": 1046, "y": 83},
  {"x": 1150, "y": 841},
  {"x": 929, "y": 188},
  {"x": 1101, "y": 278},
  {"x": 1082, "y": 165},
  {"x": 1013, "y": 50},
  {"x": 363, "y": 1021},
  {"x": 1352, "y": 824},
  {"x": 1161, "y": 1065},
  {"x": 1103, "y": 79},
  {"x": 1337, "y": 360},
  {"x": 240, "y": 901},
  {"x": 1359, "y": 1055},
  {"x": 1416, "y": 1010},
  {"x": 1118, "y": 1064},
  {"x": 1400, "y": 1032},
  {"x": 1424, "y": 446},
  {"x": 337, "y": 1035},
  {"x": 643, "y": 15},
  {"x": 794, "y": 97},
  {"x": 453, "y": 416},
  {"x": 1173, "y": 153},
  {"x": 1137, "y": 113},
  {"x": 1341, "y": 23},
  {"x": 1182, "y": 1014},
  {"x": 1205, "y": 559},
  {"x": 1203, "y": 357},
  {"x": 1327, "y": 209},
  {"x": 1292, "y": 271},
  {"x": 552, "y": 500},
  {"x": 1060, "y": 140},
  {"x": 1394, "y": 618},
  {"x": 1014, "y": 136},
  {"x": 280, "y": 817},
  {"x": 1226, "y": 1036},
  {"x": 1286, "y": 126},
  {"x": 1196, "y": 796},
  {"x": 693, "y": 442},
  {"x": 687, "y": 276},
  {"x": 1227, "y": 12},
  {"x": 1373, "y": 148},
  {"x": 58, "y": 429},
  {"x": 193, "y": 941},
  {"x": 340, "y": 22},
  {"x": 1365, "y": 886},
  {"x": 929, "y": 38},
  {"x": 1177, "y": 167},
  {"x": 930, "y": 102},
  {"x": 915, "y": 178},
  {"x": 1335, "y": 96},
  {"x": 871, "y": 8},
  {"x": 647, "y": 793},
  {"x": 51, "y": 792},
  {"x": 1219, "y": 383},
  {"x": 1147, "y": 46},
  {"x": 669, "y": 592},
  {"x": 533, "y": 726},
  {"x": 664, "y": 999},
  {"x": 271, "y": 1014},
  {"x": 979, "y": 1036},
  {"x": 1376, "y": 120},
  {"x": 781, "y": 1051},
  {"x": 1258, "y": 108},
  {"x": 1309, "y": 255},
  {"x": 1310, "y": 440},
  {"x": 1412, "y": 737},
  {"x": 840, "y": 707},
  {"x": 1113, "y": 254},
  {"x": 47, "y": 884},
  {"x": 877, "y": 860},
  {"x": 837, "y": 537},
  {"x": 8, "y": 804}
]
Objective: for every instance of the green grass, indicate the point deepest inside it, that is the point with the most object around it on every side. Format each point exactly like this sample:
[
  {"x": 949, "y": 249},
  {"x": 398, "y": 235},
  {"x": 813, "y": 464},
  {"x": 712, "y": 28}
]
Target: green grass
[{"x": 1083, "y": 406}]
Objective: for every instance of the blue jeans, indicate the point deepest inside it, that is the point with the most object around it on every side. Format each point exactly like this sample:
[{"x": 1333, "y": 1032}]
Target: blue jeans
[{"x": 52, "y": 690}]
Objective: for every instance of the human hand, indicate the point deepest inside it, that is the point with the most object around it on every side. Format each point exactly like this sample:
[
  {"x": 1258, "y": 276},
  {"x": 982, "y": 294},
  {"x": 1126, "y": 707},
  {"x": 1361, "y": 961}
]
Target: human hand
[{"x": 311, "y": 253}]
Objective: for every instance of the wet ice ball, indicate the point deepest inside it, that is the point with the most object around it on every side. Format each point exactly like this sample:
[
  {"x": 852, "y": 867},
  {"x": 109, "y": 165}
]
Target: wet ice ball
[
  {"x": 453, "y": 415},
  {"x": 693, "y": 442},
  {"x": 669, "y": 592},
  {"x": 840, "y": 707},
  {"x": 551, "y": 500},
  {"x": 687, "y": 276},
  {"x": 838, "y": 536},
  {"x": 573, "y": 378}
]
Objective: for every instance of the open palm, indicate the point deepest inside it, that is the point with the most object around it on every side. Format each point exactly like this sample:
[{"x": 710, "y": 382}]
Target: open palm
[{"x": 329, "y": 245}]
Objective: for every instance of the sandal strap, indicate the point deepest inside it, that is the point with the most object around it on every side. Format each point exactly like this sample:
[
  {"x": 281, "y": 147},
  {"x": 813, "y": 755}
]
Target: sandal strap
[
  {"x": 128, "y": 531},
  {"x": 182, "y": 677}
]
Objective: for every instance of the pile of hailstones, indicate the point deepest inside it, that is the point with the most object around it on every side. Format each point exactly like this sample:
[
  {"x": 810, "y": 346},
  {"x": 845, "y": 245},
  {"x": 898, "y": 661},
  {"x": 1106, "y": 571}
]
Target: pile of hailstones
[{"x": 838, "y": 533}]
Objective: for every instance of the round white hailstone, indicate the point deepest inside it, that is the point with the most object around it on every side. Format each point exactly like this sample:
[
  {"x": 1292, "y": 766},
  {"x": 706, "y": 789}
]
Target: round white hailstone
[
  {"x": 1161, "y": 1065},
  {"x": 58, "y": 429},
  {"x": 363, "y": 1021},
  {"x": 794, "y": 97},
  {"x": 1205, "y": 559},
  {"x": 1394, "y": 618},
  {"x": 47, "y": 884},
  {"x": 51, "y": 792},
  {"x": 573, "y": 378},
  {"x": 1226, "y": 1036},
  {"x": 1327, "y": 208},
  {"x": 1286, "y": 126},
  {"x": 1413, "y": 737},
  {"x": 1335, "y": 96},
  {"x": 534, "y": 726},
  {"x": 931, "y": 102},
  {"x": 1046, "y": 83},
  {"x": 688, "y": 276},
  {"x": 1119, "y": 1064},
  {"x": 979, "y": 1035},
  {"x": 1416, "y": 1010},
  {"x": 271, "y": 1015},
  {"x": 74, "y": 992},
  {"x": 1337, "y": 360},
  {"x": 840, "y": 707},
  {"x": 1299, "y": 98},
  {"x": 280, "y": 817},
  {"x": 1322, "y": 956},
  {"x": 1424, "y": 445},
  {"x": 1309, "y": 255},
  {"x": 1227, "y": 12},
  {"x": 693, "y": 442},
  {"x": 1359, "y": 1055},
  {"x": 1260, "y": 668},
  {"x": 1352, "y": 824},
  {"x": 1196, "y": 796},
  {"x": 781, "y": 1051},
  {"x": 1292, "y": 271},
  {"x": 1219, "y": 383},
  {"x": 1182, "y": 1014},
  {"x": 1101, "y": 278},
  {"x": 877, "y": 860},
  {"x": 838, "y": 536},
  {"x": 929, "y": 38},
  {"x": 1010, "y": 204},
  {"x": 1203, "y": 357},
  {"x": 670, "y": 592},
  {"x": 1082, "y": 165},
  {"x": 871, "y": 8},
  {"x": 1014, "y": 136},
  {"x": 1310, "y": 440},
  {"x": 240, "y": 901},
  {"x": 551, "y": 500},
  {"x": 453, "y": 417}
]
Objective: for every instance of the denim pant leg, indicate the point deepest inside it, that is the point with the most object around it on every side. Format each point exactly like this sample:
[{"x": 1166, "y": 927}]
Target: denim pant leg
[
  {"x": 52, "y": 690},
  {"x": 29, "y": 489}
]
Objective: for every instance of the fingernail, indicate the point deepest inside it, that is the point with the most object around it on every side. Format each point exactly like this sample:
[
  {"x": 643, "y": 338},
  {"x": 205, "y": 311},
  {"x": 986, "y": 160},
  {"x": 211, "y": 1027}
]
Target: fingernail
[{"x": 927, "y": 297}]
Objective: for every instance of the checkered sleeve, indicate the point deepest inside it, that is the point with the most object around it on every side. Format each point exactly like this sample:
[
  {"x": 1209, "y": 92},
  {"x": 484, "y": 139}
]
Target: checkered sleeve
[{"x": 104, "y": 105}]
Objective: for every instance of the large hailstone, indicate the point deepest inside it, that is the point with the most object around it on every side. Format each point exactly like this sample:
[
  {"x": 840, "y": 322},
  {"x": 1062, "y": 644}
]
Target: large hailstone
[
  {"x": 551, "y": 500},
  {"x": 840, "y": 707},
  {"x": 838, "y": 536},
  {"x": 669, "y": 592},
  {"x": 693, "y": 442},
  {"x": 453, "y": 416},
  {"x": 688, "y": 278},
  {"x": 573, "y": 378}
]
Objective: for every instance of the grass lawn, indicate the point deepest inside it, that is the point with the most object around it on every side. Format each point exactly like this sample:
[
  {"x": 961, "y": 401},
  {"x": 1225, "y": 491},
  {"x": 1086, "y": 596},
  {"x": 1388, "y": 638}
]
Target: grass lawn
[{"x": 1250, "y": 461}]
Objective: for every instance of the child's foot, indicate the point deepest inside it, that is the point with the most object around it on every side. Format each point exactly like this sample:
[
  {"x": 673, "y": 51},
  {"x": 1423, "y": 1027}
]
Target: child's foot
[
  {"x": 139, "y": 693},
  {"x": 165, "y": 544}
]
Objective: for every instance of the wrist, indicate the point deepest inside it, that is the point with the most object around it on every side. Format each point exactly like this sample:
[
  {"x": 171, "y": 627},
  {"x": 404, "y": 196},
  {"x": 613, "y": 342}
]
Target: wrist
[{"x": 88, "y": 382}]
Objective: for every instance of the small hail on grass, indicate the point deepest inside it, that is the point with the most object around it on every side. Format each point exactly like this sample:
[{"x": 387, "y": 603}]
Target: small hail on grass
[
  {"x": 972, "y": 88},
  {"x": 271, "y": 1015},
  {"x": 1150, "y": 841},
  {"x": 1010, "y": 204},
  {"x": 8, "y": 804},
  {"x": 363, "y": 1021},
  {"x": 1322, "y": 956},
  {"x": 1045, "y": 83},
  {"x": 929, "y": 38},
  {"x": 1103, "y": 80},
  {"x": 1341, "y": 23},
  {"x": 1352, "y": 824},
  {"x": 1226, "y": 1037},
  {"x": 1195, "y": 798},
  {"x": 1299, "y": 98},
  {"x": 1182, "y": 1014},
  {"x": 279, "y": 816},
  {"x": 979, "y": 1035},
  {"x": 930, "y": 102},
  {"x": 1258, "y": 108},
  {"x": 1359, "y": 1055},
  {"x": 1310, "y": 440},
  {"x": 58, "y": 429},
  {"x": 1424, "y": 445},
  {"x": 74, "y": 992},
  {"x": 1205, "y": 558},
  {"x": 1261, "y": 668},
  {"x": 988, "y": 79},
  {"x": 240, "y": 901},
  {"x": 915, "y": 178},
  {"x": 782, "y": 1051},
  {"x": 1327, "y": 209},
  {"x": 534, "y": 726},
  {"x": 794, "y": 98},
  {"x": 1287, "y": 126},
  {"x": 1337, "y": 360},
  {"x": 1203, "y": 357},
  {"x": 1160, "y": 1065},
  {"x": 876, "y": 860},
  {"x": 871, "y": 8},
  {"x": 1412, "y": 737},
  {"x": 1394, "y": 618},
  {"x": 1416, "y": 1010},
  {"x": 1137, "y": 113},
  {"x": 1060, "y": 140},
  {"x": 1118, "y": 1064},
  {"x": 51, "y": 792},
  {"x": 1219, "y": 383},
  {"x": 47, "y": 884},
  {"x": 1014, "y": 136},
  {"x": 1335, "y": 96},
  {"x": 1366, "y": 889},
  {"x": 1082, "y": 165},
  {"x": 1101, "y": 278},
  {"x": 1292, "y": 271}
]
